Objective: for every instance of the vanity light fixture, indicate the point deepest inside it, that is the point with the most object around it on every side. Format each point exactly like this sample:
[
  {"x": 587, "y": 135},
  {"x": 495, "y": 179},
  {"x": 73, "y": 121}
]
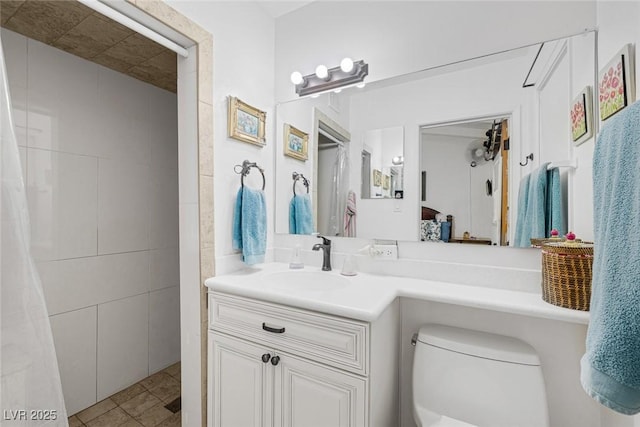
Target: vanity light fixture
[{"x": 348, "y": 73}]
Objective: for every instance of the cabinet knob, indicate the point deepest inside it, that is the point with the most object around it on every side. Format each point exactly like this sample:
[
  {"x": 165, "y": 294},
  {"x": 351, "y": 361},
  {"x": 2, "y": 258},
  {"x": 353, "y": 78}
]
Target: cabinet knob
[
  {"x": 275, "y": 360},
  {"x": 266, "y": 357}
]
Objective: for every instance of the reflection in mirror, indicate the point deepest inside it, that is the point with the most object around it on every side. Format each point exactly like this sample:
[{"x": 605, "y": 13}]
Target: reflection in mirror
[
  {"x": 462, "y": 198},
  {"x": 382, "y": 164},
  {"x": 384, "y": 189},
  {"x": 332, "y": 176}
]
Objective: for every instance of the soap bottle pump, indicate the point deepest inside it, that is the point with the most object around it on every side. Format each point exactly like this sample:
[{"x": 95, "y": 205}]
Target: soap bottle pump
[{"x": 296, "y": 259}]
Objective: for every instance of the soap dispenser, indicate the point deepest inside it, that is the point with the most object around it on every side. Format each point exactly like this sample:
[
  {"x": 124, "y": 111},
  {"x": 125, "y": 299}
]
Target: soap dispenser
[
  {"x": 296, "y": 259},
  {"x": 349, "y": 266}
]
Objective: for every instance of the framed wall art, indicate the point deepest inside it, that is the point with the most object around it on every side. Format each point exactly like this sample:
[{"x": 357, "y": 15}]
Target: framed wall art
[
  {"x": 616, "y": 83},
  {"x": 246, "y": 123},
  {"x": 295, "y": 143},
  {"x": 581, "y": 116},
  {"x": 377, "y": 178},
  {"x": 386, "y": 180}
]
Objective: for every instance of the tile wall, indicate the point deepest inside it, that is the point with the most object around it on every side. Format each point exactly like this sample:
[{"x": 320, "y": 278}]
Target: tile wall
[{"x": 99, "y": 156}]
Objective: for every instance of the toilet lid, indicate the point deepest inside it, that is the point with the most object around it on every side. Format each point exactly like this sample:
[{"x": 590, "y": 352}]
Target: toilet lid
[{"x": 426, "y": 418}]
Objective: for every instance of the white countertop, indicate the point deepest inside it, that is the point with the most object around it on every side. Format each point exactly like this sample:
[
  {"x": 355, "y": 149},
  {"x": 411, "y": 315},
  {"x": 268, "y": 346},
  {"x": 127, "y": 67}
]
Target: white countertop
[{"x": 367, "y": 295}]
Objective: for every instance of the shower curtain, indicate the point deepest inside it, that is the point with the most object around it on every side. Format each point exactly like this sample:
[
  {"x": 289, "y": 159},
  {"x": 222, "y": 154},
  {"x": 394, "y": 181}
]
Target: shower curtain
[
  {"x": 339, "y": 191},
  {"x": 30, "y": 389}
]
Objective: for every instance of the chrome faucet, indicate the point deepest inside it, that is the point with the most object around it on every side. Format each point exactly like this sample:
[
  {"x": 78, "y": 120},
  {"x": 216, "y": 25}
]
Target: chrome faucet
[{"x": 326, "y": 246}]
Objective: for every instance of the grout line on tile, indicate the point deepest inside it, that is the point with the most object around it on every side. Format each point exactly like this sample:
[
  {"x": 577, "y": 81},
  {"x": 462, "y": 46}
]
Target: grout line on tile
[{"x": 96, "y": 398}]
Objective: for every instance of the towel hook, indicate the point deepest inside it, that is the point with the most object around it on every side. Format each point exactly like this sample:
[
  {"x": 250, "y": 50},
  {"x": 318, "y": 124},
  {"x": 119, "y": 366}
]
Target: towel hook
[
  {"x": 296, "y": 176},
  {"x": 244, "y": 170},
  {"x": 529, "y": 157}
]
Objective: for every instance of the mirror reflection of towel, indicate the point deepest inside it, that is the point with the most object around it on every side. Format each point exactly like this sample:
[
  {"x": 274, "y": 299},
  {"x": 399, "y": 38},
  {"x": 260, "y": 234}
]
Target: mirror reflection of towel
[
  {"x": 250, "y": 225},
  {"x": 350, "y": 215},
  {"x": 300, "y": 215}
]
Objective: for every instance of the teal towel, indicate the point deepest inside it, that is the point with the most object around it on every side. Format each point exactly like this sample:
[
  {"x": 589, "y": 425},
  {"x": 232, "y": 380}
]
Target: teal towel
[
  {"x": 521, "y": 239},
  {"x": 554, "y": 211},
  {"x": 611, "y": 366},
  {"x": 539, "y": 206},
  {"x": 300, "y": 215},
  {"x": 250, "y": 225}
]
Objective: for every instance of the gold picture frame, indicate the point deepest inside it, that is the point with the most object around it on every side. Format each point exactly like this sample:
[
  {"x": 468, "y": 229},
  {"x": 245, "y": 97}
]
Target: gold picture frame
[
  {"x": 295, "y": 143},
  {"x": 386, "y": 182},
  {"x": 246, "y": 123},
  {"x": 377, "y": 178}
]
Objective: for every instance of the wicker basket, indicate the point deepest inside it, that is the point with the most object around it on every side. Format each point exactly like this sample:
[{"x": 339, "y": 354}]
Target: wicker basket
[{"x": 566, "y": 274}]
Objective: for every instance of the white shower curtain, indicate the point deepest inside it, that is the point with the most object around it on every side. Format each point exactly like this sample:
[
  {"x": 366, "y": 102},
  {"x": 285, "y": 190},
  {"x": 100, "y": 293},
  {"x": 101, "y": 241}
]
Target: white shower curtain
[
  {"x": 339, "y": 191},
  {"x": 30, "y": 389}
]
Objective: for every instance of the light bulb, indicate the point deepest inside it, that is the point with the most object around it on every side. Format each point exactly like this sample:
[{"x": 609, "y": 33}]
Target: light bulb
[
  {"x": 296, "y": 78},
  {"x": 361, "y": 85},
  {"x": 315, "y": 95},
  {"x": 337, "y": 91},
  {"x": 479, "y": 152},
  {"x": 322, "y": 72},
  {"x": 346, "y": 65}
]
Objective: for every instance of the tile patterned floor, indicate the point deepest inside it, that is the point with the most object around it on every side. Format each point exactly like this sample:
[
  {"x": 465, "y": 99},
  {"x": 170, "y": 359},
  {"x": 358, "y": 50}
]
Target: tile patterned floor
[{"x": 142, "y": 404}]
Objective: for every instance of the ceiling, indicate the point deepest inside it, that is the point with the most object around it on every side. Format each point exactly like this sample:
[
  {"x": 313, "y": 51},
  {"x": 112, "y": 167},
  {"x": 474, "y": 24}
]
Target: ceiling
[
  {"x": 77, "y": 29},
  {"x": 276, "y": 9}
]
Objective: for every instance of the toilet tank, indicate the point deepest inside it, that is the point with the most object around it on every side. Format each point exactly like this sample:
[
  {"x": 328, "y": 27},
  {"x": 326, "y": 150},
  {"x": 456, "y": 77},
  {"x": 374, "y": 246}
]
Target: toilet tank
[{"x": 480, "y": 378}]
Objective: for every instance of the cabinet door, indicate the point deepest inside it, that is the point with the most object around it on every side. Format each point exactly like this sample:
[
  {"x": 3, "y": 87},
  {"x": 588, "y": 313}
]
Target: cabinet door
[
  {"x": 242, "y": 391},
  {"x": 311, "y": 395}
]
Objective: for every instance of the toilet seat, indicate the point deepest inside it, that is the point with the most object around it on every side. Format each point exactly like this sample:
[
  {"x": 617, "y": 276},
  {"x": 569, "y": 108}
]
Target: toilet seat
[{"x": 425, "y": 418}]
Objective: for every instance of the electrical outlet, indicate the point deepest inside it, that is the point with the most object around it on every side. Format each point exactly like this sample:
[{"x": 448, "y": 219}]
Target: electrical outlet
[{"x": 384, "y": 252}]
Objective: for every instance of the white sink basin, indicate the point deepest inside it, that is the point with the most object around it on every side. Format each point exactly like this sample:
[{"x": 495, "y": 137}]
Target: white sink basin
[{"x": 305, "y": 280}]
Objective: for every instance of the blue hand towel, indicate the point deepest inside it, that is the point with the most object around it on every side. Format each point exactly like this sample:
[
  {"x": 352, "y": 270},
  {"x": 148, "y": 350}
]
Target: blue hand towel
[
  {"x": 611, "y": 366},
  {"x": 532, "y": 210},
  {"x": 554, "y": 211},
  {"x": 537, "y": 203},
  {"x": 521, "y": 238},
  {"x": 300, "y": 215},
  {"x": 250, "y": 225}
]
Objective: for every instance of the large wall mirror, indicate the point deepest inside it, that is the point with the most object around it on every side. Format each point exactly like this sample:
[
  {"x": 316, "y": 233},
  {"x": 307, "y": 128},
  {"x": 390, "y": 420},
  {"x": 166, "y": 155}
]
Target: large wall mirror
[{"x": 444, "y": 144}]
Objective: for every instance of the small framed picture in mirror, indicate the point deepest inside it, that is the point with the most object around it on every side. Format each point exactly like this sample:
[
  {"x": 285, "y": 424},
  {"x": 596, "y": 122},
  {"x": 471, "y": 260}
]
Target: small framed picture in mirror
[
  {"x": 245, "y": 123},
  {"x": 616, "y": 83},
  {"x": 377, "y": 178},
  {"x": 385, "y": 182},
  {"x": 295, "y": 143},
  {"x": 581, "y": 116}
]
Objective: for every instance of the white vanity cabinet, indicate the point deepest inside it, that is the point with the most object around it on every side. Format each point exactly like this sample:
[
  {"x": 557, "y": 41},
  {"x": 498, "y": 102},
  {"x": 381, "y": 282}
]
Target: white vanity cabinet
[{"x": 272, "y": 365}]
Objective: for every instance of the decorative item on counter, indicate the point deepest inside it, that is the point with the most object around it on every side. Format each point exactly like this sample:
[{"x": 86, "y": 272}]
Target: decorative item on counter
[
  {"x": 466, "y": 235},
  {"x": 296, "y": 259},
  {"x": 555, "y": 237},
  {"x": 566, "y": 272},
  {"x": 349, "y": 266}
]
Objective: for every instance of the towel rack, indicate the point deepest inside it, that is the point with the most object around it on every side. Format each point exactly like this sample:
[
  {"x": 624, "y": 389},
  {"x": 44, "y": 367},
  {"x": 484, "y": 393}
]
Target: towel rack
[
  {"x": 244, "y": 170},
  {"x": 564, "y": 164},
  {"x": 297, "y": 176}
]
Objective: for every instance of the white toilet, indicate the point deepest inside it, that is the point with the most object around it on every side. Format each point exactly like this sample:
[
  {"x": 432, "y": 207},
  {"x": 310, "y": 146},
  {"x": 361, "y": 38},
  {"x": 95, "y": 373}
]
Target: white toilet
[{"x": 467, "y": 378}]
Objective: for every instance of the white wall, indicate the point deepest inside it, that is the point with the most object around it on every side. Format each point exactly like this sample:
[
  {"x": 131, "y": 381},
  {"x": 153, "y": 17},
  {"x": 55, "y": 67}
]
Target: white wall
[
  {"x": 99, "y": 152},
  {"x": 448, "y": 179},
  {"x": 400, "y": 37},
  {"x": 243, "y": 66}
]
